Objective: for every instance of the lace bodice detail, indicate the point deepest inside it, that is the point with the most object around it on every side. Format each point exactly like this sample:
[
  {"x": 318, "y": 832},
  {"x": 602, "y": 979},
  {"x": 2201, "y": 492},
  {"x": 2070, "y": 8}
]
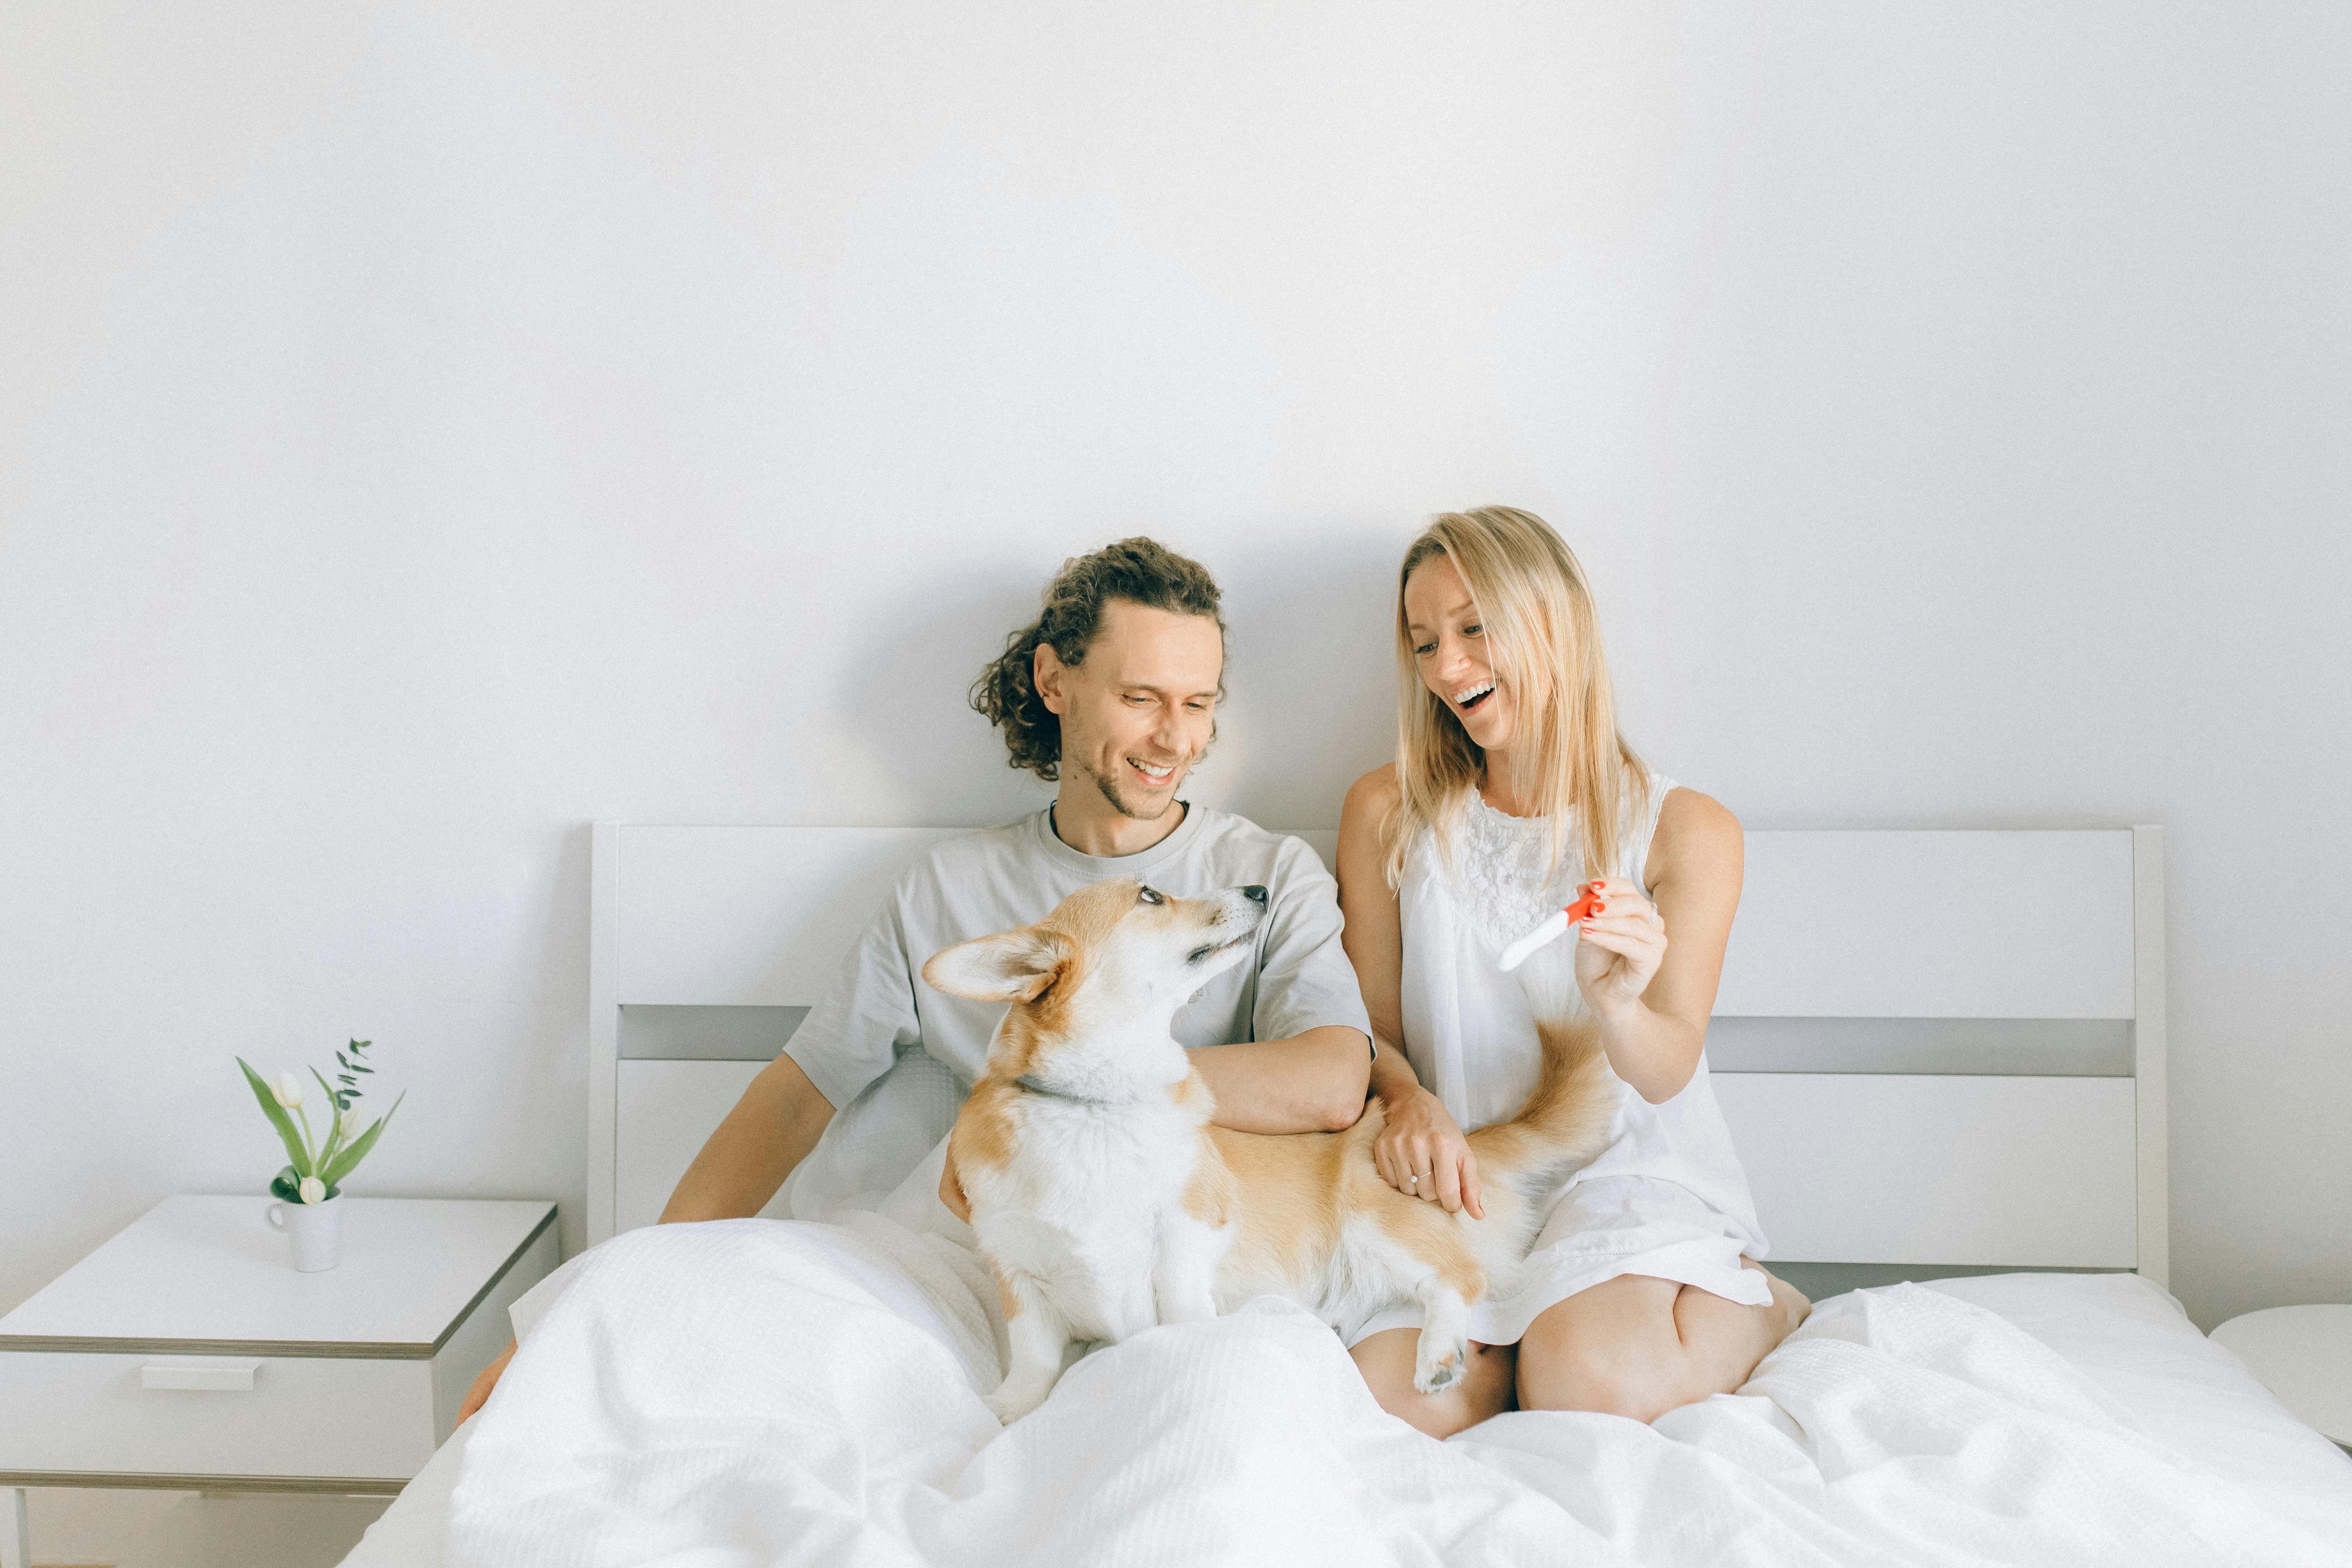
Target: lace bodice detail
[{"x": 1501, "y": 863}]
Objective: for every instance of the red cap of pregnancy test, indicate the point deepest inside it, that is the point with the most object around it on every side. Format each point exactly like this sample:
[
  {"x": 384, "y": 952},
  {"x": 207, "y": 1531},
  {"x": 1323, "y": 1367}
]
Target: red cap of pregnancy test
[{"x": 1589, "y": 904}]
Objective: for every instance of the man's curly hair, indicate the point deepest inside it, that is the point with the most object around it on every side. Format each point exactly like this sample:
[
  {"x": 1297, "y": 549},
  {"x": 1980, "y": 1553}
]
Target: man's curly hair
[{"x": 1140, "y": 569}]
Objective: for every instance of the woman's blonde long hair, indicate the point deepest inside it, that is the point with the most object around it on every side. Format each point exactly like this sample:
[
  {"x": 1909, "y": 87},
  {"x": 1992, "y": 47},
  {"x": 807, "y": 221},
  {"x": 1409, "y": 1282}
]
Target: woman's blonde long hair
[{"x": 1543, "y": 641}]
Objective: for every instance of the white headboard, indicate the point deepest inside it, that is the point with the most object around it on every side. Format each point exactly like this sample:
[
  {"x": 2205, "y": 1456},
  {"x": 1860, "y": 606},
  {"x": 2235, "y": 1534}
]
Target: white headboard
[{"x": 1937, "y": 1050}]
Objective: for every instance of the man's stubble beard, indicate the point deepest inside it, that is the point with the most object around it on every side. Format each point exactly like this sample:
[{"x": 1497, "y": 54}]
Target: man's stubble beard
[{"x": 1110, "y": 792}]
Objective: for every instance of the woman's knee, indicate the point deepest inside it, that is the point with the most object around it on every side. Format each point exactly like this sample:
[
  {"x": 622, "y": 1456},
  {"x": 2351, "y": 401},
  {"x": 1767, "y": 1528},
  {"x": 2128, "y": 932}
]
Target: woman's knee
[{"x": 1560, "y": 1370}]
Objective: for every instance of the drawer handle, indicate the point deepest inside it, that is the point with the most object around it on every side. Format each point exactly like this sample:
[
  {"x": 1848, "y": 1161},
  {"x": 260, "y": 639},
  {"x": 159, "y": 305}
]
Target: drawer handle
[{"x": 208, "y": 1374}]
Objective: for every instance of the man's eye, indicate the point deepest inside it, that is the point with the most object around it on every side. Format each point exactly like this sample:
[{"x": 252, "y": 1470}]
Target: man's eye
[{"x": 1150, "y": 896}]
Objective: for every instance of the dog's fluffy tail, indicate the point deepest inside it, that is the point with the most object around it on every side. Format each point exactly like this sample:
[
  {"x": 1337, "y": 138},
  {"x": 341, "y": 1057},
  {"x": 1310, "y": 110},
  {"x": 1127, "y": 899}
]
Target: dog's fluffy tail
[{"x": 1566, "y": 1121}]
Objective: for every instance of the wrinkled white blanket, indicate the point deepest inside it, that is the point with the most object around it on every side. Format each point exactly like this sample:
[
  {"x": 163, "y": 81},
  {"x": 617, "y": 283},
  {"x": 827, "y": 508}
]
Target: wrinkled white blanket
[{"x": 754, "y": 1393}]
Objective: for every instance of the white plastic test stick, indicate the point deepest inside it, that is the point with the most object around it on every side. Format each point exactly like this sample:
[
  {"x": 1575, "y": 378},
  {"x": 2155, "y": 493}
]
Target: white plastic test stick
[{"x": 1552, "y": 929}]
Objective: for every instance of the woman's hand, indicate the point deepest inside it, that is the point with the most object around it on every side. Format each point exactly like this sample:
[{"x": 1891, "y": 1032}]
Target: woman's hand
[
  {"x": 1619, "y": 947},
  {"x": 1423, "y": 1154}
]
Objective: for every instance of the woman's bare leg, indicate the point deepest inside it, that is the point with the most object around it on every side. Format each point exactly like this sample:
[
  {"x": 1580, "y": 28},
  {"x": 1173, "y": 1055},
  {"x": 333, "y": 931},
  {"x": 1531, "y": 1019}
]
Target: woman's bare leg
[
  {"x": 1640, "y": 1347},
  {"x": 1386, "y": 1361}
]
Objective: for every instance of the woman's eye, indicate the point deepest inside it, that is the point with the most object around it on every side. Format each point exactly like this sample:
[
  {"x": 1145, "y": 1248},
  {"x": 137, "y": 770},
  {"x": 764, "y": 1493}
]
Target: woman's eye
[
  {"x": 1424, "y": 650},
  {"x": 1150, "y": 896},
  {"x": 1474, "y": 631}
]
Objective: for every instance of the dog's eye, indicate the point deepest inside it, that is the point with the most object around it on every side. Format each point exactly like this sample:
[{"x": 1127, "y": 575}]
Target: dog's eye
[{"x": 1150, "y": 896}]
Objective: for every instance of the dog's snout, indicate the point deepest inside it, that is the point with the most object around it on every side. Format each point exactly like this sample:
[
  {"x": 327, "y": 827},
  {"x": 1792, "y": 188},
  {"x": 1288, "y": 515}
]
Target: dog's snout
[{"x": 1255, "y": 894}]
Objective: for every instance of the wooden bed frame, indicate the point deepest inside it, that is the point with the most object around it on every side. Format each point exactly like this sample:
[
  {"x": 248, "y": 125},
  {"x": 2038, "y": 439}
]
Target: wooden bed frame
[{"x": 1939, "y": 1052}]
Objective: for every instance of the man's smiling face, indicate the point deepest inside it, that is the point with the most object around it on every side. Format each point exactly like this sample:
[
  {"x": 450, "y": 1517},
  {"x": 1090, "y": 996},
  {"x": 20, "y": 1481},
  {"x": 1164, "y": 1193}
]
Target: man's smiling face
[{"x": 1141, "y": 709}]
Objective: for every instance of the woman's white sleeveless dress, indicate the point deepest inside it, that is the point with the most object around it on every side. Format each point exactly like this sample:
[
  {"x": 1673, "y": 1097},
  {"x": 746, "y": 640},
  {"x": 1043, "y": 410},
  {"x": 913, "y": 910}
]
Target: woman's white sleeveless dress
[{"x": 1667, "y": 1198}]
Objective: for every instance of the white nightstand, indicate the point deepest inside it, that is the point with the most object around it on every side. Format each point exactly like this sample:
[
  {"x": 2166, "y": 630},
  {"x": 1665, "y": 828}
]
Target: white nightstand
[
  {"x": 188, "y": 1352},
  {"x": 2302, "y": 1354}
]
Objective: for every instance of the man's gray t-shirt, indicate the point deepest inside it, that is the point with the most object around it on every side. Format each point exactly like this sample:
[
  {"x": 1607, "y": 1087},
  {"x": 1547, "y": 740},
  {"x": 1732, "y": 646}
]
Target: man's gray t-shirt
[{"x": 875, "y": 1045}]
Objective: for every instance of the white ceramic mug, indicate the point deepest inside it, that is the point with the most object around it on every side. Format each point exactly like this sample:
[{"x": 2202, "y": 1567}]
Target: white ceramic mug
[{"x": 315, "y": 1230}]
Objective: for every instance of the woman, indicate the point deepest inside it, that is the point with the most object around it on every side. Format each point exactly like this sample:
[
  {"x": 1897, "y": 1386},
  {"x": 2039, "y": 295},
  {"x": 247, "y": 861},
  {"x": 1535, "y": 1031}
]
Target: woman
[{"x": 1512, "y": 789}]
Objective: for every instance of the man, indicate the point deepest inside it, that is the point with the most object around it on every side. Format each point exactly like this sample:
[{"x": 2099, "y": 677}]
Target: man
[{"x": 1112, "y": 695}]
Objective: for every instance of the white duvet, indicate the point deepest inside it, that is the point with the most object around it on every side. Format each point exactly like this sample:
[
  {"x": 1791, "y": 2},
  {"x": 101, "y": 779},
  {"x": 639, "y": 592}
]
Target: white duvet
[{"x": 755, "y": 1393}]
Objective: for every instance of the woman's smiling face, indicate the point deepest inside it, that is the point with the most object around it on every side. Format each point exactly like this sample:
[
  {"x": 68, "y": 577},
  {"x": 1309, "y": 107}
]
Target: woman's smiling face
[{"x": 1449, "y": 645}]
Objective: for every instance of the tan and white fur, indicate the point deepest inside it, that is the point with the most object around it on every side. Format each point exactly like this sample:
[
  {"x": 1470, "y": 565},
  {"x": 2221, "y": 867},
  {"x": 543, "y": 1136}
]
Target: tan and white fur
[{"x": 1106, "y": 1204}]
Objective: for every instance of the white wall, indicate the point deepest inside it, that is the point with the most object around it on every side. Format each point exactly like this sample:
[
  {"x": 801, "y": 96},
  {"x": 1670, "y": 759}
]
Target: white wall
[{"x": 426, "y": 428}]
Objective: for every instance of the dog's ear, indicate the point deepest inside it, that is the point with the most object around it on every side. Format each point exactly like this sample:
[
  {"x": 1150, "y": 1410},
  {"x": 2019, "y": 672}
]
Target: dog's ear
[{"x": 1011, "y": 966}]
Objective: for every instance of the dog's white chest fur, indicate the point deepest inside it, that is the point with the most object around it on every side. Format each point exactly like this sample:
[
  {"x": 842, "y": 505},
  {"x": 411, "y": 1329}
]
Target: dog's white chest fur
[{"x": 1084, "y": 1202}]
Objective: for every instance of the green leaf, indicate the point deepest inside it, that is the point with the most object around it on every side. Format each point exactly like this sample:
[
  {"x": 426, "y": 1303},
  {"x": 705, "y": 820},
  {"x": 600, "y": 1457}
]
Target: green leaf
[
  {"x": 350, "y": 1158},
  {"x": 287, "y": 1188},
  {"x": 278, "y": 1119}
]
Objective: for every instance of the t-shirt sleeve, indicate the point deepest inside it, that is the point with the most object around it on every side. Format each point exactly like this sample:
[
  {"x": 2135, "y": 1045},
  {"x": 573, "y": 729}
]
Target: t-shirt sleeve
[
  {"x": 868, "y": 1014},
  {"x": 1303, "y": 979}
]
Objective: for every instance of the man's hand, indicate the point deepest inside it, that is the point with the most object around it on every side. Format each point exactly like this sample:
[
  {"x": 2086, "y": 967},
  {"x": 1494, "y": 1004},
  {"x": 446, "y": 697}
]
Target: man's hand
[
  {"x": 479, "y": 1395},
  {"x": 951, "y": 1190}
]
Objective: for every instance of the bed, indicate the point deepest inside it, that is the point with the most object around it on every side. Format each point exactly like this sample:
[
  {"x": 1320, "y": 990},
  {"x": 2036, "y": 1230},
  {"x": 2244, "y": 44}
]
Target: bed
[{"x": 1942, "y": 1057}]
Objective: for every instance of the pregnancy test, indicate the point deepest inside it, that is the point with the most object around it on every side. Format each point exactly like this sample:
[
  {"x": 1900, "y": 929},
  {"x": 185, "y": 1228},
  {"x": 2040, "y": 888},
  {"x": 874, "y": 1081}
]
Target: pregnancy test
[{"x": 1553, "y": 928}]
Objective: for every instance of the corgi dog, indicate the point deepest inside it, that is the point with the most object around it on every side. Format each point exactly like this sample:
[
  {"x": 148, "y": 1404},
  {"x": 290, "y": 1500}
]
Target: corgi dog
[{"x": 1106, "y": 1202}]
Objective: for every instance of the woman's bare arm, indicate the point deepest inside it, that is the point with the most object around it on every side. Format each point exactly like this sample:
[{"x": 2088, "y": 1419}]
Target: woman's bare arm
[
  {"x": 1420, "y": 1149},
  {"x": 1373, "y": 934},
  {"x": 1652, "y": 997}
]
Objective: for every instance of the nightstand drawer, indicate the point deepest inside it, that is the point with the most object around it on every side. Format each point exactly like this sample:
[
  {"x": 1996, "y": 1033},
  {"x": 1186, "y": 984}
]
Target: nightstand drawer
[{"x": 302, "y": 1415}]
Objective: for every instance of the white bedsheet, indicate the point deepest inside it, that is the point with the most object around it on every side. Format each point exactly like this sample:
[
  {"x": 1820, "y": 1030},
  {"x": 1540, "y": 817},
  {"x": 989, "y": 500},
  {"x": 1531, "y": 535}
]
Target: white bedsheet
[{"x": 754, "y": 1393}]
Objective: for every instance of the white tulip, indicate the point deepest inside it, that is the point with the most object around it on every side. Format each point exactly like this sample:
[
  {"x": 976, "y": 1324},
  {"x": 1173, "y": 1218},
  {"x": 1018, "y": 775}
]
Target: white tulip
[
  {"x": 314, "y": 1191},
  {"x": 288, "y": 1091},
  {"x": 347, "y": 1124}
]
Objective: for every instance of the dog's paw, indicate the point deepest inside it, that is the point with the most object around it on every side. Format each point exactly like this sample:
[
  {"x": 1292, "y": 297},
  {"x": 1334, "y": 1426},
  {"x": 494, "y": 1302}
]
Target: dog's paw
[{"x": 1435, "y": 1371}]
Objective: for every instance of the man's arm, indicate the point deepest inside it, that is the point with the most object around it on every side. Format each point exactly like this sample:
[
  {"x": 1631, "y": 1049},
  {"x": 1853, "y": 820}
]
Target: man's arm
[
  {"x": 1308, "y": 1068},
  {"x": 1310, "y": 1082},
  {"x": 770, "y": 1131}
]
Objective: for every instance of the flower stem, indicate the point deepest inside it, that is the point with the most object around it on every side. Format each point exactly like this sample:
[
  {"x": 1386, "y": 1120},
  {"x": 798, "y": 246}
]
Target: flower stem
[{"x": 310, "y": 1143}]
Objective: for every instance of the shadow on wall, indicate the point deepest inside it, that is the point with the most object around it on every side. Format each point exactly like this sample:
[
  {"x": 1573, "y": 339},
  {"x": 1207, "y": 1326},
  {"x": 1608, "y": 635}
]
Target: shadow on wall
[{"x": 1310, "y": 674}]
